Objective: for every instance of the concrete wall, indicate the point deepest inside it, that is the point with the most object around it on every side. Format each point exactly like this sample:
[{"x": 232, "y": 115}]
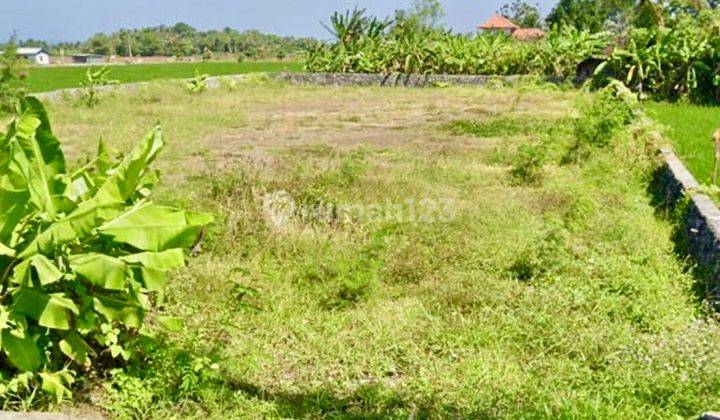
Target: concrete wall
[{"x": 699, "y": 230}]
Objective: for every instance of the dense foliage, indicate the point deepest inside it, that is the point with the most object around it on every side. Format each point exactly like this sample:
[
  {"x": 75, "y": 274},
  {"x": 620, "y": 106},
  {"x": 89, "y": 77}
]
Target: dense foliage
[
  {"x": 81, "y": 253},
  {"x": 368, "y": 45},
  {"x": 182, "y": 40},
  {"x": 592, "y": 15},
  {"x": 668, "y": 56},
  {"x": 12, "y": 75},
  {"x": 679, "y": 59}
]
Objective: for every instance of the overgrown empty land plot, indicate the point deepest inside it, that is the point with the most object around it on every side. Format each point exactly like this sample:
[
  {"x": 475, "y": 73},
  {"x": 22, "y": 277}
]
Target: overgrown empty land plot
[{"x": 373, "y": 256}]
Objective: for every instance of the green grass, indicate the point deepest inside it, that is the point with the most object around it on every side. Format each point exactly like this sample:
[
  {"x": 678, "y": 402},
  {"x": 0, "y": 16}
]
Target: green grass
[
  {"x": 690, "y": 127},
  {"x": 43, "y": 79},
  {"x": 559, "y": 299},
  {"x": 501, "y": 127}
]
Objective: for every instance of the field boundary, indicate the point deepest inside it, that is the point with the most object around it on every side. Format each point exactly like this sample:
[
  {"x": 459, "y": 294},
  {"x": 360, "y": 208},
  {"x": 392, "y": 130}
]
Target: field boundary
[
  {"x": 400, "y": 80},
  {"x": 326, "y": 79},
  {"x": 212, "y": 83},
  {"x": 700, "y": 230}
]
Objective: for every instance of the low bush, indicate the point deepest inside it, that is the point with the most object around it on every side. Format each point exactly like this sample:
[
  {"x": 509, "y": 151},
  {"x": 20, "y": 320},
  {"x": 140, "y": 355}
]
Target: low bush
[{"x": 81, "y": 254}]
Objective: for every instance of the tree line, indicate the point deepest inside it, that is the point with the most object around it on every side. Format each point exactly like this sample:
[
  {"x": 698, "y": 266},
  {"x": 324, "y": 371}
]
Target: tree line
[
  {"x": 181, "y": 40},
  {"x": 603, "y": 15}
]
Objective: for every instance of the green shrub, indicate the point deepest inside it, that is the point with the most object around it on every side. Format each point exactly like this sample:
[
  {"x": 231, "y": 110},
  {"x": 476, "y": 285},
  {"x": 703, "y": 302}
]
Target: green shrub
[
  {"x": 12, "y": 74},
  {"x": 81, "y": 253},
  {"x": 528, "y": 164},
  {"x": 601, "y": 117}
]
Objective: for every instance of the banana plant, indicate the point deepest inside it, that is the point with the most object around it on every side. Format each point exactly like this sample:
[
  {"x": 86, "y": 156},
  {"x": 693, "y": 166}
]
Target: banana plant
[
  {"x": 81, "y": 252},
  {"x": 94, "y": 79},
  {"x": 197, "y": 84}
]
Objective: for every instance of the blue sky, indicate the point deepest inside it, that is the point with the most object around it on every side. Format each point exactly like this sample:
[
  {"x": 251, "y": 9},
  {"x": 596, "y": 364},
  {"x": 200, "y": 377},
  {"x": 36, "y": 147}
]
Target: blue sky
[{"x": 58, "y": 20}]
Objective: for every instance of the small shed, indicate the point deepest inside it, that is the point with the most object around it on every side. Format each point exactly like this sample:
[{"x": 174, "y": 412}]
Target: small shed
[
  {"x": 88, "y": 59},
  {"x": 35, "y": 55}
]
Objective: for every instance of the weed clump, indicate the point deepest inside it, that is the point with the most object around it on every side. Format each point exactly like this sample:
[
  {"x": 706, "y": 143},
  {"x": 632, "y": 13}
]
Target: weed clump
[
  {"x": 527, "y": 169},
  {"x": 545, "y": 255},
  {"x": 601, "y": 118}
]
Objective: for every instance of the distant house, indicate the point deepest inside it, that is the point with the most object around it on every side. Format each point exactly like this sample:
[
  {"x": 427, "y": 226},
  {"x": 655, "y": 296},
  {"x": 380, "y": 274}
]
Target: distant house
[
  {"x": 88, "y": 59},
  {"x": 499, "y": 23},
  {"x": 35, "y": 55}
]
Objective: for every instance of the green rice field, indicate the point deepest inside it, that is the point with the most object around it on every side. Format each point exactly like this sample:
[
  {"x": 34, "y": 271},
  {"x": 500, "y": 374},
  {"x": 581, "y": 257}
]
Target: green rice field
[
  {"x": 690, "y": 129},
  {"x": 44, "y": 79}
]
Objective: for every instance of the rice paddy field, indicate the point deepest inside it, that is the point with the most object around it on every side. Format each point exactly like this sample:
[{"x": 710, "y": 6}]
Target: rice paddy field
[
  {"x": 690, "y": 128},
  {"x": 45, "y": 79},
  {"x": 435, "y": 285}
]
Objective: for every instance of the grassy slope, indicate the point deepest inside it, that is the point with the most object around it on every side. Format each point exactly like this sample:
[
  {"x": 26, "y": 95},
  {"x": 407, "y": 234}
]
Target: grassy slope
[
  {"x": 563, "y": 299},
  {"x": 43, "y": 79},
  {"x": 690, "y": 129}
]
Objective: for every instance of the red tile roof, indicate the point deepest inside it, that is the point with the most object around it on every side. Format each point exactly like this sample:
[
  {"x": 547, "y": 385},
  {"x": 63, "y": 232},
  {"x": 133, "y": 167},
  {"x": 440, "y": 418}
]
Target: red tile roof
[
  {"x": 527, "y": 34},
  {"x": 498, "y": 22}
]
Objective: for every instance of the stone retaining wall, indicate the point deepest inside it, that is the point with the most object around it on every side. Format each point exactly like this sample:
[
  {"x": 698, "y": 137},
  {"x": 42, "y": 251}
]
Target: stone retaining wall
[
  {"x": 700, "y": 229},
  {"x": 404, "y": 80}
]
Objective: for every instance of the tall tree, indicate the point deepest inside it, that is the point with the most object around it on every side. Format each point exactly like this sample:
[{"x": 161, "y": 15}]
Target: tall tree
[
  {"x": 423, "y": 13},
  {"x": 522, "y": 13},
  {"x": 589, "y": 15}
]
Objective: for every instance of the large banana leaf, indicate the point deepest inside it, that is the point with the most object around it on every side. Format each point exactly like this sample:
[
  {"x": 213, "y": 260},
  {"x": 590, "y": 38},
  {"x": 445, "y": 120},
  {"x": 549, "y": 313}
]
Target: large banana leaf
[
  {"x": 22, "y": 352},
  {"x": 101, "y": 270},
  {"x": 163, "y": 261},
  {"x": 12, "y": 210},
  {"x": 106, "y": 203},
  {"x": 51, "y": 311},
  {"x": 35, "y": 155},
  {"x": 121, "y": 185},
  {"x": 149, "y": 227}
]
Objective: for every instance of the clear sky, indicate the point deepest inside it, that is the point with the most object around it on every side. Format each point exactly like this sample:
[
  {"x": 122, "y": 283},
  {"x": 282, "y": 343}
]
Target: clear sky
[{"x": 71, "y": 20}]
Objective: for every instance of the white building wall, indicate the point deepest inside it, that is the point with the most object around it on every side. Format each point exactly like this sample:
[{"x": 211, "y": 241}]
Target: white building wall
[{"x": 42, "y": 59}]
